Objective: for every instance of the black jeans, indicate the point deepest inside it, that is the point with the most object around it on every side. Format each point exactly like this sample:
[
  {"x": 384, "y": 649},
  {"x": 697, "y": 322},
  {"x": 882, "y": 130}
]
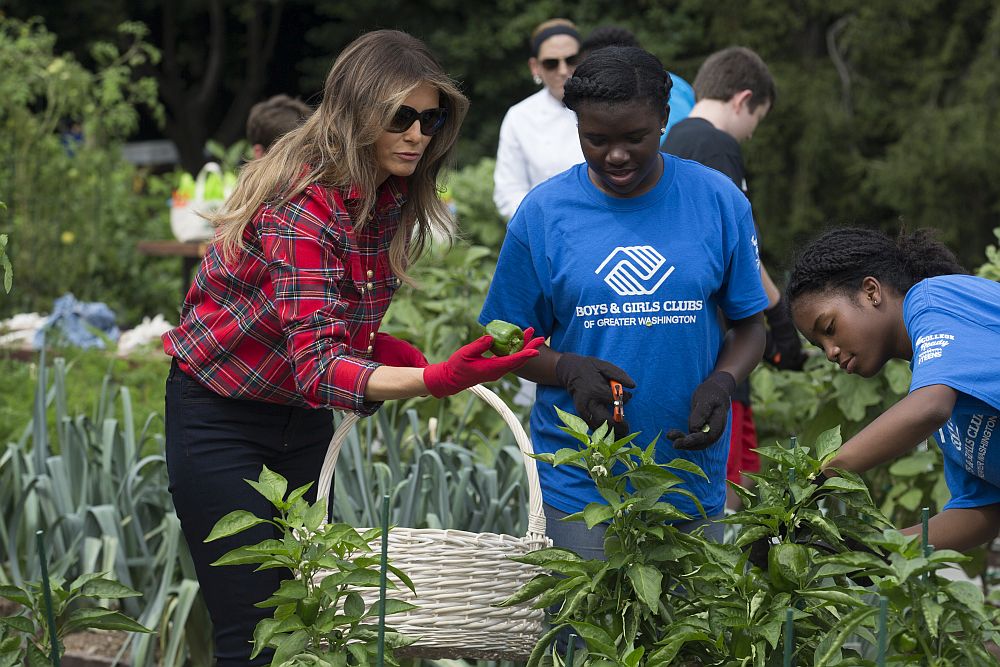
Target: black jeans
[{"x": 212, "y": 445}]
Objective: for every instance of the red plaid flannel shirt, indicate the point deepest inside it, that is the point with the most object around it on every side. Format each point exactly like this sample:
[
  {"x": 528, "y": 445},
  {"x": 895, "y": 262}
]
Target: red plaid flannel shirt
[{"x": 291, "y": 320}]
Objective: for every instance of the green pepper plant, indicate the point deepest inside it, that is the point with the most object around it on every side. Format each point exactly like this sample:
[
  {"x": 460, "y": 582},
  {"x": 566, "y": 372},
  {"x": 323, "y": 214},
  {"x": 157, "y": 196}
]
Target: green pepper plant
[
  {"x": 620, "y": 607},
  {"x": 787, "y": 506},
  {"x": 25, "y": 638},
  {"x": 665, "y": 597},
  {"x": 792, "y": 525},
  {"x": 932, "y": 620},
  {"x": 738, "y": 598},
  {"x": 318, "y": 620}
]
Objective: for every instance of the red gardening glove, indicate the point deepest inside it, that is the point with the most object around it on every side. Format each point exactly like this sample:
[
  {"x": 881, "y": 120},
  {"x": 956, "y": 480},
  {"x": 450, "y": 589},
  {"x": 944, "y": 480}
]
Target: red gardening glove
[
  {"x": 467, "y": 367},
  {"x": 393, "y": 351}
]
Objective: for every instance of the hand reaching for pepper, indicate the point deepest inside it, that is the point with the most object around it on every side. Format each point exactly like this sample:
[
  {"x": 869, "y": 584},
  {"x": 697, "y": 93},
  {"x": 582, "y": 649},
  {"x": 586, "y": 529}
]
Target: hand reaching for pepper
[
  {"x": 467, "y": 366},
  {"x": 709, "y": 411},
  {"x": 587, "y": 379}
]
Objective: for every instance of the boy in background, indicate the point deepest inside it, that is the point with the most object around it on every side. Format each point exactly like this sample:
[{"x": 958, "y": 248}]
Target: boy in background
[
  {"x": 273, "y": 117},
  {"x": 734, "y": 91}
]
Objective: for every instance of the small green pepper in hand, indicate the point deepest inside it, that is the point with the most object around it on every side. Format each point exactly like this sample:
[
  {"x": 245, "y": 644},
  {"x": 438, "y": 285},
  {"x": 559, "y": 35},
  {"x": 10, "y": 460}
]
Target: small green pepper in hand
[{"x": 507, "y": 338}]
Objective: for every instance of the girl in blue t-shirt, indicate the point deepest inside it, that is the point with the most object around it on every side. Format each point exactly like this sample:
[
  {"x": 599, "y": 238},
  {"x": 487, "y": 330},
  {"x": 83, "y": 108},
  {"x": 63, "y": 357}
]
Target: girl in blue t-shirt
[
  {"x": 864, "y": 299},
  {"x": 624, "y": 263}
]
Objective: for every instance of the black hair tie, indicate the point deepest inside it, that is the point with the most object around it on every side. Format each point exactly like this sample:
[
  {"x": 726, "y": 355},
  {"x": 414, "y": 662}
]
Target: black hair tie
[{"x": 552, "y": 31}]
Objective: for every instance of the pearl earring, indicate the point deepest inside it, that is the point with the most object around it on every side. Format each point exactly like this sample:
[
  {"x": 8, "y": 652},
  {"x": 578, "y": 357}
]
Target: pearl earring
[
  {"x": 663, "y": 131},
  {"x": 537, "y": 79}
]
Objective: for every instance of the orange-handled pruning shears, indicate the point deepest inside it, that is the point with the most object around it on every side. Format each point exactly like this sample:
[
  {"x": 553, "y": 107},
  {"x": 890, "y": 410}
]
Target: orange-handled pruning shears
[{"x": 618, "y": 401}]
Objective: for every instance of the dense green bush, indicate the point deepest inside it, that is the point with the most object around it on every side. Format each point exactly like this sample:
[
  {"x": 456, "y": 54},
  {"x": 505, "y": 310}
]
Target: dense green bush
[{"x": 76, "y": 208}]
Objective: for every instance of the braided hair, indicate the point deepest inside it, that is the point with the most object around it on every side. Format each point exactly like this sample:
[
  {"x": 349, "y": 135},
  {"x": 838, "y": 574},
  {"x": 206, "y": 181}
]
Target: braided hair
[
  {"x": 608, "y": 35},
  {"x": 840, "y": 259},
  {"x": 619, "y": 74}
]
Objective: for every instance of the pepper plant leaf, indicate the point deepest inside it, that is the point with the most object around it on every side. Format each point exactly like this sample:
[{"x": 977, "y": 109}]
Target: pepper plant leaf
[
  {"x": 647, "y": 582},
  {"x": 233, "y": 523},
  {"x": 573, "y": 423},
  {"x": 272, "y": 486},
  {"x": 827, "y": 443}
]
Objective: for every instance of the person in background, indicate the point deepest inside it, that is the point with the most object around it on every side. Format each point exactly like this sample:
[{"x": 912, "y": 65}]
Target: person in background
[
  {"x": 538, "y": 135},
  {"x": 624, "y": 263},
  {"x": 735, "y": 91},
  {"x": 865, "y": 298},
  {"x": 681, "y": 92},
  {"x": 281, "y": 324},
  {"x": 273, "y": 118}
]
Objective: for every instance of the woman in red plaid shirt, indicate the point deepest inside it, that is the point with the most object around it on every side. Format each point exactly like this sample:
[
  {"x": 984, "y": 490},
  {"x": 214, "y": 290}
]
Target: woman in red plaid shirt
[{"x": 281, "y": 323}]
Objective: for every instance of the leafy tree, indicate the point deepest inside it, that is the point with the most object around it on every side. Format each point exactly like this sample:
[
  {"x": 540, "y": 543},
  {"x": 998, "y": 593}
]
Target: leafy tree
[
  {"x": 193, "y": 73},
  {"x": 75, "y": 206},
  {"x": 883, "y": 116}
]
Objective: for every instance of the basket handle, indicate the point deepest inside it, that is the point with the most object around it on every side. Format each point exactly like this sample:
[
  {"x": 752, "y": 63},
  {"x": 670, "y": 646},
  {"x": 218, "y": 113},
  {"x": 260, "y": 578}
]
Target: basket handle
[
  {"x": 199, "y": 181},
  {"x": 536, "y": 516}
]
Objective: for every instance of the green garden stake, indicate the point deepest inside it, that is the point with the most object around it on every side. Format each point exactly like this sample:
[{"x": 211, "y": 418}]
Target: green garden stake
[
  {"x": 883, "y": 629},
  {"x": 383, "y": 568},
  {"x": 47, "y": 593},
  {"x": 789, "y": 638},
  {"x": 570, "y": 650},
  {"x": 925, "y": 514},
  {"x": 793, "y": 442}
]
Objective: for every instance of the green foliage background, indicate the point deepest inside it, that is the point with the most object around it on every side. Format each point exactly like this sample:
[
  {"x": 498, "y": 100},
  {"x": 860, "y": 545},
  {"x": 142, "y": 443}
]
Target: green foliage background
[
  {"x": 886, "y": 112},
  {"x": 76, "y": 208},
  {"x": 884, "y": 116}
]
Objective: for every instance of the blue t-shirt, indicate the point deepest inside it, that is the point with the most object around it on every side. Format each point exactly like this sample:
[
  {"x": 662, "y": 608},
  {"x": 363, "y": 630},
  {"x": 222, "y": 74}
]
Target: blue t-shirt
[
  {"x": 637, "y": 282},
  {"x": 954, "y": 328},
  {"x": 681, "y": 102}
]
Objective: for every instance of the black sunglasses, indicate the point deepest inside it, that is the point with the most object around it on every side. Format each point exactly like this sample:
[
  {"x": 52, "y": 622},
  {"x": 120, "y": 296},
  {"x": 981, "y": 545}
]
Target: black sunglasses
[
  {"x": 431, "y": 120},
  {"x": 551, "y": 64}
]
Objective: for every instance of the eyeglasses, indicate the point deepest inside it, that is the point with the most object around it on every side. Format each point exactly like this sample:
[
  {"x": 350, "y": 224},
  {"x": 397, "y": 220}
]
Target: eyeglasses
[
  {"x": 551, "y": 64},
  {"x": 431, "y": 120}
]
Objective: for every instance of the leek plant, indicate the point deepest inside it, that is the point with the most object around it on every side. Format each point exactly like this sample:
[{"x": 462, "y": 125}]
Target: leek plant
[
  {"x": 467, "y": 481},
  {"x": 104, "y": 507}
]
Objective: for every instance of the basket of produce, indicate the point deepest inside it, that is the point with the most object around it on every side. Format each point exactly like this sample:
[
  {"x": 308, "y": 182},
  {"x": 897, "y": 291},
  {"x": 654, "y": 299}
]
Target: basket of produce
[{"x": 195, "y": 198}]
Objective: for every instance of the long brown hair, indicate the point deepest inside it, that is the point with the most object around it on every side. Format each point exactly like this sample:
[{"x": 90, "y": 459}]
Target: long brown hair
[{"x": 335, "y": 146}]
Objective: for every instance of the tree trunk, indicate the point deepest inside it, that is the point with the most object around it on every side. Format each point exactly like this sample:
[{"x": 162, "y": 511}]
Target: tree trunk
[{"x": 193, "y": 104}]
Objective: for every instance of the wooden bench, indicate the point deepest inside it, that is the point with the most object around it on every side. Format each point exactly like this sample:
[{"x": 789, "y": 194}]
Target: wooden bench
[{"x": 190, "y": 253}]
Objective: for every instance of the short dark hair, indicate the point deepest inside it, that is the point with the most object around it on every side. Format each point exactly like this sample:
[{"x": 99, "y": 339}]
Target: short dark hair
[
  {"x": 729, "y": 71},
  {"x": 274, "y": 117},
  {"x": 619, "y": 74},
  {"x": 840, "y": 259},
  {"x": 608, "y": 35}
]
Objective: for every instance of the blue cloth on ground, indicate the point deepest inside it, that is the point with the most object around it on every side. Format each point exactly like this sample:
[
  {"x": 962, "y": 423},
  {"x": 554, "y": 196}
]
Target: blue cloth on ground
[{"x": 78, "y": 323}]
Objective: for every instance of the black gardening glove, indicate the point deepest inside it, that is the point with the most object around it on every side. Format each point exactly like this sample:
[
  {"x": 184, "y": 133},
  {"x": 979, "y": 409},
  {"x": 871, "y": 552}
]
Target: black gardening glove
[
  {"x": 783, "y": 348},
  {"x": 709, "y": 407},
  {"x": 820, "y": 478},
  {"x": 588, "y": 381},
  {"x": 759, "y": 550}
]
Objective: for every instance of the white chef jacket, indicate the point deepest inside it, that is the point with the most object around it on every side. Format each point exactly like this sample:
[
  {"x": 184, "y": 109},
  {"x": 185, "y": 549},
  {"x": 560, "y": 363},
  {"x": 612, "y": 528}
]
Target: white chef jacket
[{"x": 538, "y": 139}]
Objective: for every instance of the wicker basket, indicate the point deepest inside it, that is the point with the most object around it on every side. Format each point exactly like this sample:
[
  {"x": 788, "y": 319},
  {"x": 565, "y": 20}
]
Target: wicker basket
[{"x": 459, "y": 575}]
